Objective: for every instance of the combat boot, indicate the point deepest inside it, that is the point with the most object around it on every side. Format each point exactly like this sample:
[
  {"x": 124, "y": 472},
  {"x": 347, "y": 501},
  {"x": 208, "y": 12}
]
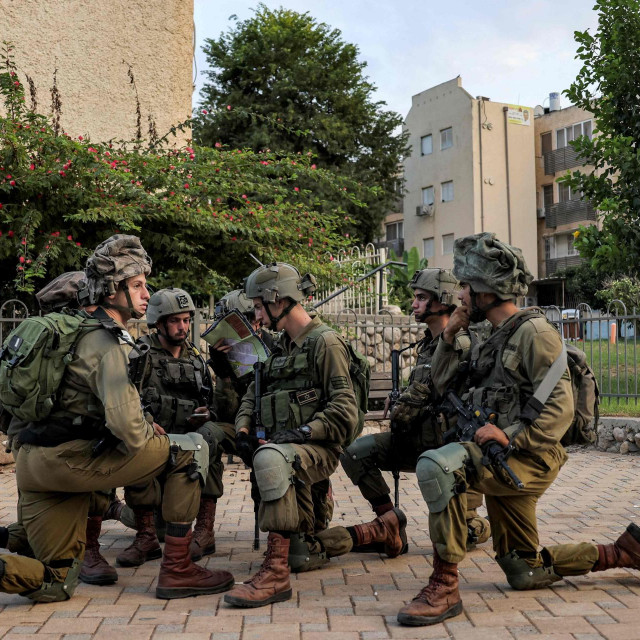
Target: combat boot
[
  {"x": 271, "y": 583},
  {"x": 623, "y": 553},
  {"x": 180, "y": 577},
  {"x": 95, "y": 569},
  {"x": 438, "y": 601},
  {"x": 204, "y": 541},
  {"x": 387, "y": 530},
  {"x": 145, "y": 545}
]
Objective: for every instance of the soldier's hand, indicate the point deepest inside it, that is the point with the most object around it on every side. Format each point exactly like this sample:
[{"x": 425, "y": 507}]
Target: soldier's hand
[
  {"x": 199, "y": 416},
  {"x": 458, "y": 320},
  {"x": 219, "y": 361},
  {"x": 491, "y": 432},
  {"x": 158, "y": 430},
  {"x": 246, "y": 446},
  {"x": 291, "y": 436}
]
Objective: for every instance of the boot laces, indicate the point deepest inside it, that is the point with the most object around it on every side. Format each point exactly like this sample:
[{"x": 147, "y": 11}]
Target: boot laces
[
  {"x": 266, "y": 563},
  {"x": 429, "y": 590}
]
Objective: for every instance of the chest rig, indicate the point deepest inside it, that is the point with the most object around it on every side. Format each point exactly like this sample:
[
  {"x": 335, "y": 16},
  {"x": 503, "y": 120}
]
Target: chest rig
[
  {"x": 174, "y": 387},
  {"x": 493, "y": 381},
  {"x": 421, "y": 373},
  {"x": 293, "y": 393}
]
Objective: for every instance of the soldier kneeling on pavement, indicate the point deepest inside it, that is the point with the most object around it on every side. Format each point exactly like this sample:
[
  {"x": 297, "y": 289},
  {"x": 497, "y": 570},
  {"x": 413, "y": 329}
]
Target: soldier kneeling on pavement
[
  {"x": 95, "y": 437},
  {"x": 505, "y": 374},
  {"x": 415, "y": 416}
]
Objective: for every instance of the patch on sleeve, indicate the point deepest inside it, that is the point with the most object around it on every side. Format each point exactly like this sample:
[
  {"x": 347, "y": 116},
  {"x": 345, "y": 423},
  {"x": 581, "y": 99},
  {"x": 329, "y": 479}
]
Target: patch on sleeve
[{"x": 340, "y": 382}]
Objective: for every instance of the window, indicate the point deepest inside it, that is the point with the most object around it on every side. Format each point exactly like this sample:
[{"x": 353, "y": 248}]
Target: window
[
  {"x": 566, "y": 193},
  {"x": 571, "y": 250},
  {"x": 565, "y": 135},
  {"x": 447, "y": 191},
  {"x": 547, "y": 195},
  {"x": 446, "y": 138},
  {"x": 428, "y": 247},
  {"x": 428, "y": 195},
  {"x": 447, "y": 244},
  {"x": 394, "y": 231},
  {"x": 426, "y": 145},
  {"x": 549, "y": 247},
  {"x": 545, "y": 141}
]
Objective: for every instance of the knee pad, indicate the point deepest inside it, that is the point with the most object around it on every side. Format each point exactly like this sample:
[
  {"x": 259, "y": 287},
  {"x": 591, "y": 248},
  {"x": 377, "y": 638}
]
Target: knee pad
[
  {"x": 273, "y": 468},
  {"x": 194, "y": 442},
  {"x": 54, "y": 591},
  {"x": 301, "y": 557},
  {"x": 354, "y": 455},
  {"x": 435, "y": 473},
  {"x": 521, "y": 576},
  {"x": 213, "y": 435}
]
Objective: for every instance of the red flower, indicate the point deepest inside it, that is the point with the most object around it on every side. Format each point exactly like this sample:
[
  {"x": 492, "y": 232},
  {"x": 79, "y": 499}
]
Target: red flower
[
  {"x": 78, "y": 244},
  {"x": 186, "y": 185},
  {"x": 70, "y": 238},
  {"x": 21, "y": 258},
  {"x": 12, "y": 183},
  {"x": 80, "y": 138},
  {"x": 32, "y": 166},
  {"x": 10, "y": 234}
]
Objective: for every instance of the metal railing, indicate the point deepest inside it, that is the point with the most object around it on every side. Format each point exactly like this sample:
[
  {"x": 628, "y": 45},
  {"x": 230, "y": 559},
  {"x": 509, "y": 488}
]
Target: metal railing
[
  {"x": 560, "y": 264},
  {"x": 570, "y": 212},
  {"x": 560, "y": 160}
]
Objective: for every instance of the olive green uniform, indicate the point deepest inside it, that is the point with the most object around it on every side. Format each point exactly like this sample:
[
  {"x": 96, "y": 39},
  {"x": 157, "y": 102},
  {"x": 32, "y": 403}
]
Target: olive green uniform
[
  {"x": 108, "y": 443},
  {"x": 305, "y": 381},
  {"x": 172, "y": 388},
  {"x": 538, "y": 456}
]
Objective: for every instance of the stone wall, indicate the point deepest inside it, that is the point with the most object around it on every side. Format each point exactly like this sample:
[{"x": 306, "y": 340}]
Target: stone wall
[{"x": 619, "y": 435}]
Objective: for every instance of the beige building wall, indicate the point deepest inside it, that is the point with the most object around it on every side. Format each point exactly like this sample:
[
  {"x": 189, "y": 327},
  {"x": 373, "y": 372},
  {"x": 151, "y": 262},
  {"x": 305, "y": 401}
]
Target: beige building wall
[
  {"x": 91, "y": 43},
  {"x": 491, "y": 164}
]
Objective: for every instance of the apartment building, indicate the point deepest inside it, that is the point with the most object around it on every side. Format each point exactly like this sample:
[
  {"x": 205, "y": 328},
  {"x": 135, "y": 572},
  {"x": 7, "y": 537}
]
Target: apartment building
[
  {"x": 472, "y": 169},
  {"x": 560, "y": 210}
]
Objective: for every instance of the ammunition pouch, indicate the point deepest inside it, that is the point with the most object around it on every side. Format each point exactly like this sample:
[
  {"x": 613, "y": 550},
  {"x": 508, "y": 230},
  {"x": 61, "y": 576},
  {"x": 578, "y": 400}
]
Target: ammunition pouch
[
  {"x": 411, "y": 407},
  {"x": 435, "y": 472},
  {"x": 54, "y": 591},
  {"x": 521, "y": 576},
  {"x": 273, "y": 466},
  {"x": 192, "y": 442}
]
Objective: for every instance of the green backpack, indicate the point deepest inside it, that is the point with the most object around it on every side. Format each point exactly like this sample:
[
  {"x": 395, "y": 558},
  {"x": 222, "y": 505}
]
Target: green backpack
[{"x": 33, "y": 361}]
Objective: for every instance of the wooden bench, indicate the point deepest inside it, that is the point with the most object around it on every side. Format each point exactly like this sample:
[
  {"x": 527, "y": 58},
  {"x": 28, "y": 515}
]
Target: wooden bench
[{"x": 380, "y": 388}]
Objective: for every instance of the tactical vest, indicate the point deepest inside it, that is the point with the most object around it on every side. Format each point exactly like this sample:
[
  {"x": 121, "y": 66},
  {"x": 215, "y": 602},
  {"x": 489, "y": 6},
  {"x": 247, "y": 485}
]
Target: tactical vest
[
  {"x": 421, "y": 373},
  {"x": 174, "y": 387},
  {"x": 492, "y": 382}
]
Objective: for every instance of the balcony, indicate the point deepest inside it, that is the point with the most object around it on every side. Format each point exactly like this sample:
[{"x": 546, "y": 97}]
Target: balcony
[
  {"x": 396, "y": 245},
  {"x": 560, "y": 160},
  {"x": 560, "y": 264},
  {"x": 570, "y": 212}
]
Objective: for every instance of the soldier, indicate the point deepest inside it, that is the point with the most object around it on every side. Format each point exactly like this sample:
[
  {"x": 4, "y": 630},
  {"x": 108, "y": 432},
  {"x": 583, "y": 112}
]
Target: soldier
[
  {"x": 309, "y": 411},
  {"x": 492, "y": 275},
  {"x": 414, "y": 416},
  {"x": 95, "y": 437},
  {"x": 176, "y": 389}
]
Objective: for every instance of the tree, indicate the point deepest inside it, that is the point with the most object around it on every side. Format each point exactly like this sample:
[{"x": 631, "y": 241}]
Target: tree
[
  {"x": 199, "y": 211},
  {"x": 294, "y": 85},
  {"x": 607, "y": 85},
  {"x": 400, "y": 277}
]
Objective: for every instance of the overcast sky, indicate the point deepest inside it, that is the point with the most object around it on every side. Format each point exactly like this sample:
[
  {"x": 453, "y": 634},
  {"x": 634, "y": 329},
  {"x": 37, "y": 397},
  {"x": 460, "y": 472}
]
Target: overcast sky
[{"x": 508, "y": 51}]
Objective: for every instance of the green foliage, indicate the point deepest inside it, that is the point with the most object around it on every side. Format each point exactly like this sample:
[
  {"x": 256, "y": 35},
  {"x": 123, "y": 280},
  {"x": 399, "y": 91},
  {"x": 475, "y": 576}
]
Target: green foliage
[
  {"x": 400, "y": 277},
  {"x": 199, "y": 211},
  {"x": 607, "y": 85},
  {"x": 281, "y": 80},
  {"x": 584, "y": 283},
  {"x": 625, "y": 289}
]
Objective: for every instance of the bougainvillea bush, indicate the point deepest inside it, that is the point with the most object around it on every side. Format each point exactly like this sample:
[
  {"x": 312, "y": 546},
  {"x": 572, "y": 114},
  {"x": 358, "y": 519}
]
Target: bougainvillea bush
[{"x": 199, "y": 211}]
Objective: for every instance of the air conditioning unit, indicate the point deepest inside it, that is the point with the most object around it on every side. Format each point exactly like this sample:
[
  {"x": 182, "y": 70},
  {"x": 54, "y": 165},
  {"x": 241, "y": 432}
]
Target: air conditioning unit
[
  {"x": 425, "y": 209},
  {"x": 541, "y": 212}
]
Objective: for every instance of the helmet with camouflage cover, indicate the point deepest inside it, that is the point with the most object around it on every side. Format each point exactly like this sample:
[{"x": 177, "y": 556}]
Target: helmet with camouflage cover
[
  {"x": 273, "y": 282},
  {"x": 235, "y": 299},
  {"x": 440, "y": 282},
  {"x": 488, "y": 265},
  {"x": 63, "y": 291},
  {"x": 167, "y": 302},
  {"x": 114, "y": 261}
]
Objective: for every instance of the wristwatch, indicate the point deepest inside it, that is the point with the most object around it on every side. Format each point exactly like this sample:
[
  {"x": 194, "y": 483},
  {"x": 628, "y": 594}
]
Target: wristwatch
[{"x": 306, "y": 431}]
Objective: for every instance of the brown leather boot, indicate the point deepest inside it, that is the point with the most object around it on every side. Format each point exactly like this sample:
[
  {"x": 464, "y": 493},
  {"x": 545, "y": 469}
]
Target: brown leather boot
[
  {"x": 204, "y": 541},
  {"x": 623, "y": 553},
  {"x": 387, "y": 529},
  {"x": 145, "y": 545},
  {"x": 95, "y": 569},
  {"x": 271, "y": 583},
  {"x": 180, "y": 577},
  {"x": 438, "y": 601},
  {"x": 114, "y": 510}
]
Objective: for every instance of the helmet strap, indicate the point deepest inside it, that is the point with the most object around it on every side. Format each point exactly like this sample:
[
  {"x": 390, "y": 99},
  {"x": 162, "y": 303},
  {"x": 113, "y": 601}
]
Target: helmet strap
[
  {"x": 478, "y": 314},
  {"x": 285, "y": 311}
]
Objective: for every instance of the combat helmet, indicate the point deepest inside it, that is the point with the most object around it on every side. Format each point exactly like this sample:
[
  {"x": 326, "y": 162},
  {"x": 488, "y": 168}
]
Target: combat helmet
[
  {"x": 273, "y": 282},
  {"x": 115, "y": 260},
  {"x": 67, "y": 290},
  {"x": 491, "y": 266},
  {"x": 440, "y": 282},
  {"x": 235, "y": 299},
  {"x": 167, "y": 302}
]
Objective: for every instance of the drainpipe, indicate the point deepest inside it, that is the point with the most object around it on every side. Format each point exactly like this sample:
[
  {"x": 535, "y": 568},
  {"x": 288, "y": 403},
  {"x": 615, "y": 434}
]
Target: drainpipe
[
  {"x": 506, "y": 159},
  {"x": 481, "y": 173}
]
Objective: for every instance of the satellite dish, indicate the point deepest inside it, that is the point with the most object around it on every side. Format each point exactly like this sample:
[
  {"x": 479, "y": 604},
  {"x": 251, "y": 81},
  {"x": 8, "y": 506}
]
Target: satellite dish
[{"x": 538, "y": 110}]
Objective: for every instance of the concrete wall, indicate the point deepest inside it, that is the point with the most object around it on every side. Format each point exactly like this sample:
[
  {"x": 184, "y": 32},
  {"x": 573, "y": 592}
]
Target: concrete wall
[{"x": 87, "y": 41}]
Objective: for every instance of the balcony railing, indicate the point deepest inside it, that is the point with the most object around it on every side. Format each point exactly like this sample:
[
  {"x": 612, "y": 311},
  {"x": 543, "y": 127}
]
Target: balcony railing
[
  {"x": 560, "y": 160},
  {"x": 396, "y": 245},
  {"x": 569, "y": 212},
  {"x": 560, "y": 264}
]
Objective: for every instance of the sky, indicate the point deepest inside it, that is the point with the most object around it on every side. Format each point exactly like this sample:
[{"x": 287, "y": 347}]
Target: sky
[{"x": 507, "y": 51}]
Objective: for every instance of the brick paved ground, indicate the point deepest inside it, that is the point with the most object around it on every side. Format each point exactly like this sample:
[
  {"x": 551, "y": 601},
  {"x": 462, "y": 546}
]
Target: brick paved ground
[{"x": 357, "y": 597}]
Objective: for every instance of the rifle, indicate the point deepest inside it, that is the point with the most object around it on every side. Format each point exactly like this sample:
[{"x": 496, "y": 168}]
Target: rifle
[
  {"x": 393, "y": 397},
  {"x": 262, "y": 434},
  {"x": 470, "y": 419}
]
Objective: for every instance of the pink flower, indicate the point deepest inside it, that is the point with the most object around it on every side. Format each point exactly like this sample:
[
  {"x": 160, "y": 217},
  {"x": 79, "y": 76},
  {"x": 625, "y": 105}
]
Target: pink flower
[
  {"x": 80, "y": 138},
  {"x": 205, "y": 112},
  {"x": 296, "y": 189},
  {"x": 228, "y": 106},
  {"x": 32, "y": 166},
  {"x": 186, "y": 185}
]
